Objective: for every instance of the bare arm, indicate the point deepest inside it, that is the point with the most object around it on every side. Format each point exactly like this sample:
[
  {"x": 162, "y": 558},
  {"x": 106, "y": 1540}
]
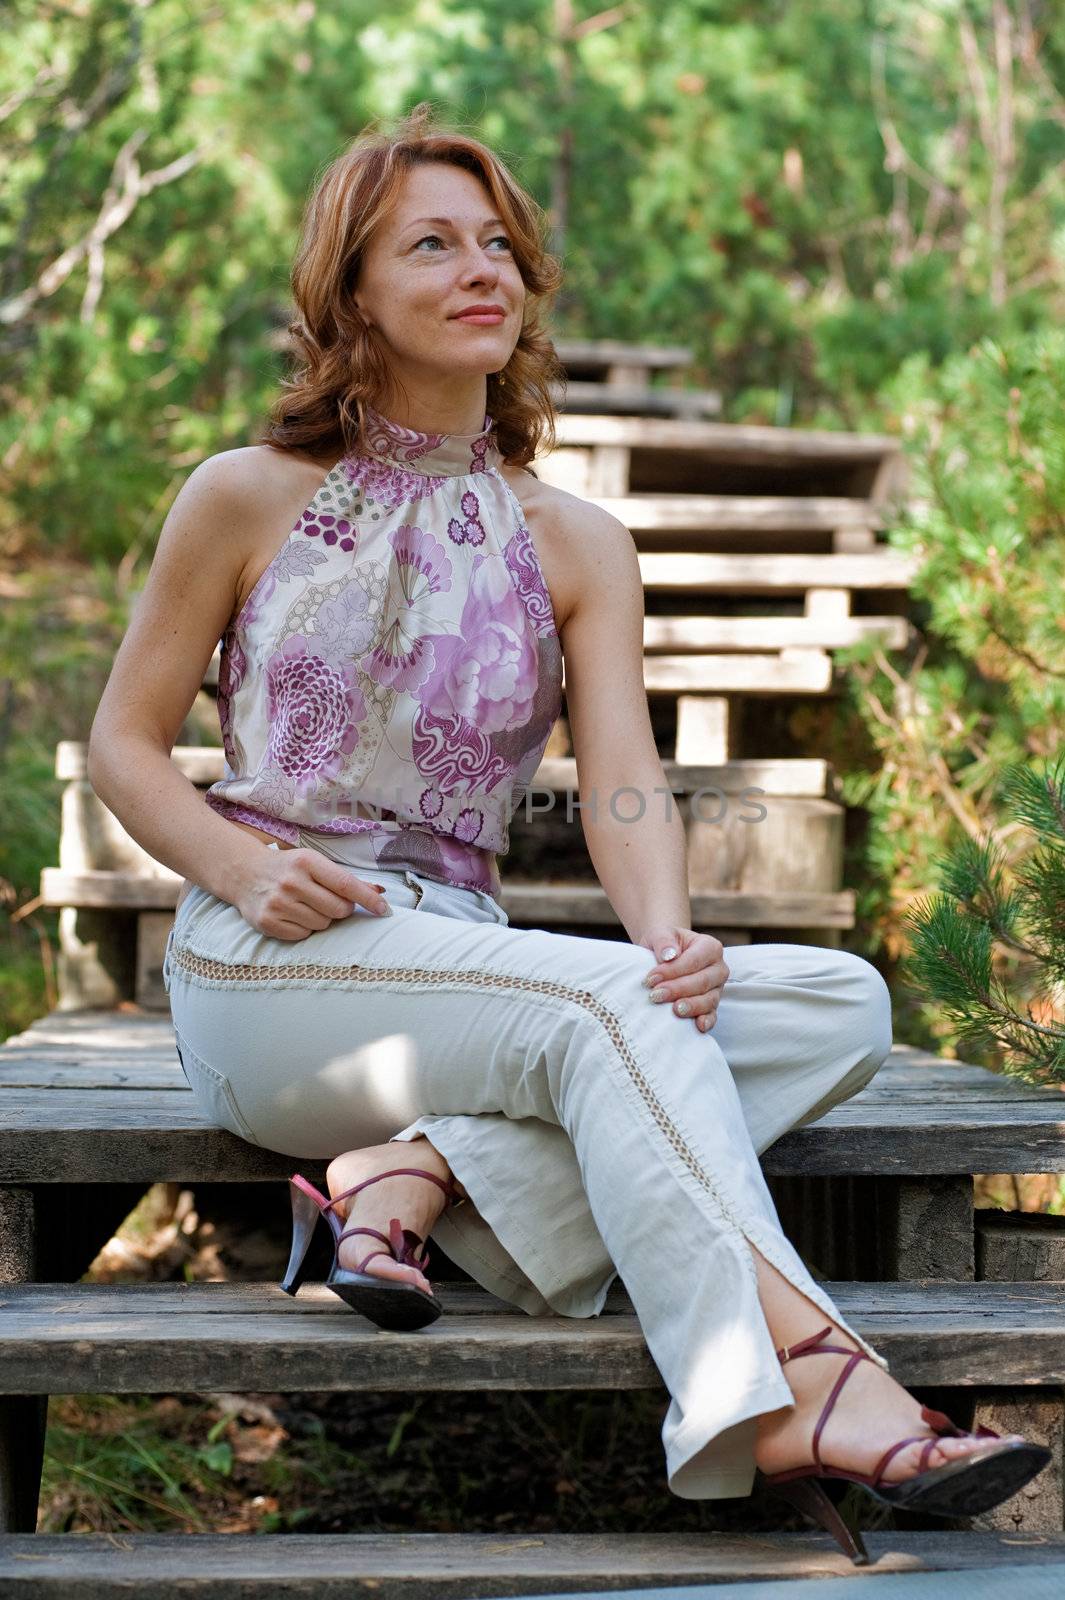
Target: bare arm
[
  {"x": 186, "y": 605},
  {"x": 641, "y": 860},
  {"x": 230, "y": 506}
]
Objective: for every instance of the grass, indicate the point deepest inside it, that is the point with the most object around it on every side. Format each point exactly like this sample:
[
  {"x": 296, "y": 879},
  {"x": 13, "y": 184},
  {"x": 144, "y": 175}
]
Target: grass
[{"x": 178, "y": 1465}]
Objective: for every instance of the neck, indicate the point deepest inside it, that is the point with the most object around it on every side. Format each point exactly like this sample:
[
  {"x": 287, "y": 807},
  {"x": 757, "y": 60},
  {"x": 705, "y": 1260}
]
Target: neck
[
  {"x": 459, "y": 412},
  {"x": 428, "y": 451}
]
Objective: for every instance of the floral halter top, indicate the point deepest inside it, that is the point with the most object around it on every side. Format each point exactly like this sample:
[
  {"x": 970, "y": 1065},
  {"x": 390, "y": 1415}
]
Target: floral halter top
[{"x": 396, "y": 671}]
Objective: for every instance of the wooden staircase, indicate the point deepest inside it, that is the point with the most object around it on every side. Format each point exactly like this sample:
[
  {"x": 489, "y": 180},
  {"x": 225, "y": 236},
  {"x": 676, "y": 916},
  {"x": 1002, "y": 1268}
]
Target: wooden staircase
[{"x": 877, "y": 1194}]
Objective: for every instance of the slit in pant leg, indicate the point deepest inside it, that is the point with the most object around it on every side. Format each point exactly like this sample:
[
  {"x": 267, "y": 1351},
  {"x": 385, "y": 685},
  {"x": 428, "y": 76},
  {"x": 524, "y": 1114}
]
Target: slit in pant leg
[
  {"x": 846, "y": 1034},
  {"x": 688, "y": 1267}
]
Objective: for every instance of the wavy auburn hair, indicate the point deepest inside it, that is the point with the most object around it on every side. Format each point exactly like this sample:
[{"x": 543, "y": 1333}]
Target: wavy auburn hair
[{"x": 340, "y": 363}]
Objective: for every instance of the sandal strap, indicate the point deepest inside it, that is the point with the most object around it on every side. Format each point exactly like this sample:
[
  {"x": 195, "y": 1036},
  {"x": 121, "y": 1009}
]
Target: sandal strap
[
  {"x": 893, "y": 1450},
  {"x": 826, "y": 1410},
  {"x": 448, "y": 1186},
  {"x": 814, "y": 1346},
  {"x": 943, "y": 1425},
  {"x": 401, "y": 1242}
]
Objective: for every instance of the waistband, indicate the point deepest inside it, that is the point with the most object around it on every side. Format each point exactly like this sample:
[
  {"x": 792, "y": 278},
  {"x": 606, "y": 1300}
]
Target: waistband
[{"x": 352, "y": 850}]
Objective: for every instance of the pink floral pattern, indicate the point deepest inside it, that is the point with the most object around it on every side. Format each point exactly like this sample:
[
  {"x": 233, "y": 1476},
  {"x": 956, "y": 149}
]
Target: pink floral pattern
[
  {"x": 396, "y": 670},
  {"x": 315, "y": 707}
]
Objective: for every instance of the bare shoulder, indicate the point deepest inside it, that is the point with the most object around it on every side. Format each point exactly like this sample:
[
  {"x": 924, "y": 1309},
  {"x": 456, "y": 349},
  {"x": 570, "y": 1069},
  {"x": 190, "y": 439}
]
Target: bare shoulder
[
  {"x": 250, "y": 476},
  {"x": 579, "y": 543},
  {"x": 264, "y": 490}
]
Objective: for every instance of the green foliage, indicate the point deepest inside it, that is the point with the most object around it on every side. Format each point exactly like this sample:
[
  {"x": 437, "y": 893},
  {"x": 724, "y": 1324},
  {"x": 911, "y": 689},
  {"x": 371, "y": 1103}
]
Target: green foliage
[
  {"x": 957, "y": 730},
  {"x": 827, "y": 204},
  {"x": 983, "y": 905}
]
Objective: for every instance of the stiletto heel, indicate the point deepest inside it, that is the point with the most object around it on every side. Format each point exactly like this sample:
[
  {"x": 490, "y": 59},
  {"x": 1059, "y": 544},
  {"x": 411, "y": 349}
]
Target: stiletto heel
[
  {"x": 305, "y": 1215},
  {"x": 807, "y": 1496},
  {"x": 387, "y": 1302},
  {"x": 960, "y": 1488}
]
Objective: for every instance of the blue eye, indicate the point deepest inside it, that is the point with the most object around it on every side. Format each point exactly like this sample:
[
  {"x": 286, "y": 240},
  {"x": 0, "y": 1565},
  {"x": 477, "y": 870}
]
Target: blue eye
[{"x": 436, "y": 236}]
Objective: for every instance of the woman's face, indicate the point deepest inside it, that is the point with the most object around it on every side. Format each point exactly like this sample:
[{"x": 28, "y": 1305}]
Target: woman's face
[{"x": 419, "y": 272}]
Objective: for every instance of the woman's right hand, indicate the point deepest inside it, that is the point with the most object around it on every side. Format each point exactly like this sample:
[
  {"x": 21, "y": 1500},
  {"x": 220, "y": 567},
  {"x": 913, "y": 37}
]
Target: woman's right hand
[{"x": 293, "y": 892}]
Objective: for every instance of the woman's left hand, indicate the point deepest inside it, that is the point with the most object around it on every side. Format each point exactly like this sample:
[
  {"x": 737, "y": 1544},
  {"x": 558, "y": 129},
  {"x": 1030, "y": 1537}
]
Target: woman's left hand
[{"x": 693, "y": 978}]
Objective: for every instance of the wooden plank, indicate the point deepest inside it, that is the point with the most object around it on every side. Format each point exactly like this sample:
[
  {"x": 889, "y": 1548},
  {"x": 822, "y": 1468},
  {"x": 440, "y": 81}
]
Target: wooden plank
[
  {"x": 153, "y": 930},
  {"x": 656, "y": 516},
  {"x": 157, "y": 1135},
  {"x": 455, "y": 1566},
  {"x": 619, "y": 352},
  {"x": 27, "y": 1075},
  {"x": 773, "y": 633},
  {"x": 542, "y": 905},
  {"x": 1029, "y": 1246},
  {"x": 1037, "y": 1415},
  {"x": 727, "y": 441},
  {"x": 766, "y": 574},
  {"x": 201, "y": 1337},
  {"x": 111, "y": 891},
  {"x": 799, "y": 775},
  {"x": 1020, "y": 1244},
  {"x": 23, "y": 1417},
  {"x": 128, "y": 1040},
  {"x": 932, "y": 1233},
  {"x": 789, "y": 672},
  {"x": 580, "y": 395},
  {"x": 919, "y": 1115}
]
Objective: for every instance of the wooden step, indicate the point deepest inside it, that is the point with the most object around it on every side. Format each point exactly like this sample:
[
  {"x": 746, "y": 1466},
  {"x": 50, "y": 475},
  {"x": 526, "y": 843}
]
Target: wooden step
[
  {"x": 775, "y": 574},
  {"x": 454, "y": 1566},
  {"x": 775, "y": 775},
  {"x": 636, "y": 400},
  {"x": 85, "y": 1095},
  {"x": 603, "y": 354},
  {"x": 731, "y": 442},
  {"x": 537, "y": 904},
  {"x": 788, "y": 671},
  {"x": 655, "y": 519},
  {"x": 170, "y": 1338},
  {"x": 773, "y": 633}
]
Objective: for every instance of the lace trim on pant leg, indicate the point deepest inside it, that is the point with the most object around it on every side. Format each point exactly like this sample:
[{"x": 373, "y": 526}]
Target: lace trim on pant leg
[{"x": 212, "y": 970}]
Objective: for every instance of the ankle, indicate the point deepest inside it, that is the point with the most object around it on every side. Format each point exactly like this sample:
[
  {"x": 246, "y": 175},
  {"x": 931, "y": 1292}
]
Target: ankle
[{"x": 426, "y": 1154}]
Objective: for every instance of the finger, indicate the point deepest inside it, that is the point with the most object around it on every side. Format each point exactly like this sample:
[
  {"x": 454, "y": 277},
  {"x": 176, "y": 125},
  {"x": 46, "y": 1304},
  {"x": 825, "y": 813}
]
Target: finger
[
  {"x": 334, "y": 889},
  {"x": 284, "y": 928},
  {"x": 701, "y": 953},
  {"x": 319, "y": 910},
  {"x": 714, "y": 976},
  {"x": 697, "y": 1005},
  {"x": 703, "y": 1012}
]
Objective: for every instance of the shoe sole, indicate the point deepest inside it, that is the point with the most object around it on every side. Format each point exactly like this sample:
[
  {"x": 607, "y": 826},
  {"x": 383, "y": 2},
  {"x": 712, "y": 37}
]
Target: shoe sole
[
  {"x": 398, "y": 1307},
  {"x": 965, "y": 1487}
]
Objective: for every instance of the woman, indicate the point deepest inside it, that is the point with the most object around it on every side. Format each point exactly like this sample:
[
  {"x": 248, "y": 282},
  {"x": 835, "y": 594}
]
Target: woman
[{"x": 395, "y": 593}]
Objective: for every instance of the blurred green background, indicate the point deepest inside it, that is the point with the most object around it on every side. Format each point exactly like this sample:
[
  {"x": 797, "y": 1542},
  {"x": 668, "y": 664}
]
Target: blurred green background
[{"x": 851, "y": 211}]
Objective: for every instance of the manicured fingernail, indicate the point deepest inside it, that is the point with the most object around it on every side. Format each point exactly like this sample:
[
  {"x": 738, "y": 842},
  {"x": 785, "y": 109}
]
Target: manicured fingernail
[
  {"x": 667, "y": 955},
  {"x": 659, "y": 994},
  {"x": 683, "y": 1008}
]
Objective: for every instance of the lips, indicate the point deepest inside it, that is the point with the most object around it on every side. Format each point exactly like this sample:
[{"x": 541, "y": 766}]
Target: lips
[{"x": 480, "y": 314}]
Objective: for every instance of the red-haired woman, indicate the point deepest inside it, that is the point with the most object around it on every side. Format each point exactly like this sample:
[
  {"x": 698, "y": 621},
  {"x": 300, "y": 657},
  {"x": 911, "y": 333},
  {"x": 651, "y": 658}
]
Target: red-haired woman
[{"x": 395, "y": 593}]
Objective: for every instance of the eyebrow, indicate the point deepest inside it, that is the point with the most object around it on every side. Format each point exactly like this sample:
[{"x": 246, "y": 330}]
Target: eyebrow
[{"x": 446, "y": 222}]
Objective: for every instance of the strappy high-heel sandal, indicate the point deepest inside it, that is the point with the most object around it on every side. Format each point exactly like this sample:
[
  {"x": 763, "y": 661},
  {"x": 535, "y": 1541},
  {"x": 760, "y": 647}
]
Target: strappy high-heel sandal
[
  {"x": 960, "y": 1488},
  {"x": 386, "y": 1301}
]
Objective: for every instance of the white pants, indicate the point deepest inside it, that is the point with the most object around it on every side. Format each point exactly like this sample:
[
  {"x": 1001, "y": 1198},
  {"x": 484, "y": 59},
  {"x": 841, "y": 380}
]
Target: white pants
[{"x": 595, "y": 1132}]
